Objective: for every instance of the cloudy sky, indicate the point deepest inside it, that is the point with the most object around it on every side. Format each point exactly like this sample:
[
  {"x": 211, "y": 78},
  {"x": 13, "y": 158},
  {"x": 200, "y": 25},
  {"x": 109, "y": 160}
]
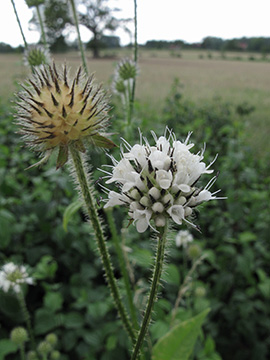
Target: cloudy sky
[{"x": 190, "y": 20}]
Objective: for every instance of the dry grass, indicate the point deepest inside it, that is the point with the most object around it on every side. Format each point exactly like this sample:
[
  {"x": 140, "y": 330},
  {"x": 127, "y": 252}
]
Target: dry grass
[{"x": 203, "y": 79}]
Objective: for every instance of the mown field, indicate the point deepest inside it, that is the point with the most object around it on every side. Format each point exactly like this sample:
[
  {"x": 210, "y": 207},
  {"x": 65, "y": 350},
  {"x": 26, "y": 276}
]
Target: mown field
[{"x": 204, "y": 75}]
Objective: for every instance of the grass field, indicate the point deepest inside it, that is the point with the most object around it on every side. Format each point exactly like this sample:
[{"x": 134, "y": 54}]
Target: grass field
[{"x": 203, "y": 77}]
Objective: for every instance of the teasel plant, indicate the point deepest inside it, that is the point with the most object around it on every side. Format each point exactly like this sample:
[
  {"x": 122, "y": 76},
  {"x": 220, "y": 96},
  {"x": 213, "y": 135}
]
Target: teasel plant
[
  {"x": 158, "y": 184},
  {"x": 58, "y": 114}
]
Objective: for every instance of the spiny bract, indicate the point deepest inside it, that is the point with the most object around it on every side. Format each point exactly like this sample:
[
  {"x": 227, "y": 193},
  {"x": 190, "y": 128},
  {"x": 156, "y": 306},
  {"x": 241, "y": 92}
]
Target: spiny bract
[{"x": 54, "y": 112}]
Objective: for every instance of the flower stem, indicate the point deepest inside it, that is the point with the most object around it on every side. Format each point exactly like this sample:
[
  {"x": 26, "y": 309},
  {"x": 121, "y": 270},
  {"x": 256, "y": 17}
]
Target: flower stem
[
  {"x": 159, "y": 260},
  {"x": 123, "y": 267},
  {"x": 75, "y": 16},
  {"x": 87, "y": 194},
  {"x": 22, "y": 352},
  {"x": 135, "y": 57},
  {"x": 43, "y": 36},
  {"x": 26, "y": 316},
  {"x": 19, "y": 23},
  {"x": 185, "y": 286}
]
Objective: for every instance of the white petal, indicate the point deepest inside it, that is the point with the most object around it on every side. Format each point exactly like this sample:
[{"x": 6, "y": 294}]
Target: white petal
[
  {"x": 164, "y": 178},
  {"x": 177, "y": 213},
  {"x": 142, "y": 219},
  {"x": 204, "y": 195},
  {"x": 115, "y": 199}
]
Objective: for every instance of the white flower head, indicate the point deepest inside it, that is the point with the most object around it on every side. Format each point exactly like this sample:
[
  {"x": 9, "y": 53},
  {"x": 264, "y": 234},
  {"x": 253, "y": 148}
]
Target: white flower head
[
  {"x": 183, "y": 238},
  {"x": 13, "y": 276},
  {"x": 159, "y": 182}
]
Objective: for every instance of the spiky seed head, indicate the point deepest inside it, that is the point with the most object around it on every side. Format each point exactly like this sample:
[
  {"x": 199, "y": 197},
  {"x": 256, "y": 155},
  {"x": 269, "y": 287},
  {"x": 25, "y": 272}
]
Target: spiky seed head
[
  {"x": 55, "y": 355},
  {"x": 194, "y": 251},
  {"x": 31, "y": 355},
  {"x": 200, "y": 291},
  {"x": 119, "y": 86},
  {"x": 44, "y": 348},
  {"x": 127, "y": 69},
  {"x": 55, "y": 111},
  {"x": 51, "y": 339},
  {"x": 36, "y": 55},
  {"x": 19, "y": 335},
  {"x": 31, "y": 3}
]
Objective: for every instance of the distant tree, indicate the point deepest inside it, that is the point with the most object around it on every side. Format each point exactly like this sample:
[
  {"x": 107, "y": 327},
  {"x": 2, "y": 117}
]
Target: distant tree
[
  {"x": 99, "y": 18},
  {"x": 6, "y": 48},
  {"x": 212, "y": 43}
]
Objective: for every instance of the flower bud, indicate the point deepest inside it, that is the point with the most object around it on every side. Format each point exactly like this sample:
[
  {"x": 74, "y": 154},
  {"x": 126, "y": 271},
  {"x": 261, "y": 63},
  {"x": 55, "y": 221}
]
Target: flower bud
[
  {"x": 36, "y": 55},
  {"x": 200, "y": 291},
  {"x": 194, "y": 251},
  {"x": 127, "y": 69},
  {"x": 55, "y": 355},
  {"x": 31, "y": 355},
  {"x": 51, "y": 339},
  {"x": 44, "y": 348},
  {"x": 19, "y": 335}
]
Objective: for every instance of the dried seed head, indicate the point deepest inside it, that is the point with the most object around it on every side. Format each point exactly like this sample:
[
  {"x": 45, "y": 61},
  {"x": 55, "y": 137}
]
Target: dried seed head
[
  {"x": 36, "y": 55},
  {"x": 55, "y": 111}
]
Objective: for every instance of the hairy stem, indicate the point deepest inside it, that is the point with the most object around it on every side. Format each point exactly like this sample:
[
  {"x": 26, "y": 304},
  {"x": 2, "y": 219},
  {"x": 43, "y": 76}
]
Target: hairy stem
[
  {"x": 90, "y": 204},
  {"x": 19, "y": 23},
  {"x": 22, "y": 352},
  {"x": 123, "y": 267},
  {"x": 159, "y": 260},
  {"x": 135, "y": 58},
  {"x": 27, "y": 320},
  {"x": 43, "y": 36},
  {"x": 75, "y": 16}
]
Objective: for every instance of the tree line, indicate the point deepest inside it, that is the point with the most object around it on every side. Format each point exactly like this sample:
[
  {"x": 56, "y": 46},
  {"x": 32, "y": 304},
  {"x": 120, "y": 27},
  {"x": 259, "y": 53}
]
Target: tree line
[{"x": 253, "y": 44}]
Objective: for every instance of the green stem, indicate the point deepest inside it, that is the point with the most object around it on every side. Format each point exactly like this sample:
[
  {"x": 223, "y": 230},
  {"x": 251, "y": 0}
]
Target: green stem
[
  {"x": 22, "y": 352},
  {"x": 135, "y": 57},
  {"x": 185, "y": 286},
  {"x": 79, "y": 35},
  {"x": 86, "y": 191},
  {"x": 26, "y": 316},
  {"x": 19, "y": 23},
  {"x": 159, "y": 260},
  {"x": 43, "y": 36},
  {"x": 123, "y": 267}
]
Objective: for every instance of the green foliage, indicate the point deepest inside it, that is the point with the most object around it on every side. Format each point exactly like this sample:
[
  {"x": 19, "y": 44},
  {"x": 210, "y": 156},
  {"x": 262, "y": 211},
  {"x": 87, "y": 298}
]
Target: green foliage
[
  {"x": 235, "y": 230},
  {"x": 178, "y": 343},
  {"x": 7, "y": 347},
  {"x": 70, "y": 296}
]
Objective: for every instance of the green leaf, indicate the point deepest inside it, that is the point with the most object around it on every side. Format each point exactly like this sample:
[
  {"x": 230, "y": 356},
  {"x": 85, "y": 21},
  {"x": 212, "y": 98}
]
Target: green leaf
[
  {"x": 46, "y": 320},
  {"x": 7, "y": 221},
  {"x": 70, "y": 211},
  {"x": 53, "y": 301},
  {"x": 171, "y": 274},
  {"x": 7, "y": 347},
  {"x": 103, "y": 142},
  {"x": 111, "y": 342},
  {"x": 178, "y": 343},
  {"x": 46, "y": 268},
  {"x": 74, "y": 320}
]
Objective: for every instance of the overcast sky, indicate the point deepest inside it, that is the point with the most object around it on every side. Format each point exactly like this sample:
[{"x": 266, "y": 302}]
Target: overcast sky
[{"x": 190, "y": 20}]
